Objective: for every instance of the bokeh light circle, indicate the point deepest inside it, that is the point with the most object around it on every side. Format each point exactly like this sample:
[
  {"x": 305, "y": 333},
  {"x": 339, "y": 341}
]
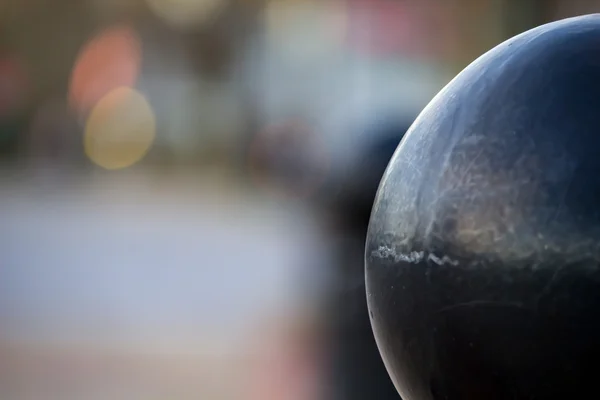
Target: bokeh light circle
[
  {"x": 109, "y": 60},
  {"x": 120, "y": 129},
  {"x": 185, "y": 14},
  {"x": 311, "y": 28}
]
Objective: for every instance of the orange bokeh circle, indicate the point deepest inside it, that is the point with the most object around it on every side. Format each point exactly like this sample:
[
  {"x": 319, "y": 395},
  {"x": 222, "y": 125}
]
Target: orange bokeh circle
[{"x": 109, "y": 60}]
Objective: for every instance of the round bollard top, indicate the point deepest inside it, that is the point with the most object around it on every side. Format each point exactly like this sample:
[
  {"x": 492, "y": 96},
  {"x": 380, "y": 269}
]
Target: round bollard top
[{"x": 483, "y": 252}]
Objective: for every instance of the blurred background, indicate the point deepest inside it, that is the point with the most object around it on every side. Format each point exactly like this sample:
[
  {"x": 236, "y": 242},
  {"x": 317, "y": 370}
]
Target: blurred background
[{"x": 186, "y": 186}]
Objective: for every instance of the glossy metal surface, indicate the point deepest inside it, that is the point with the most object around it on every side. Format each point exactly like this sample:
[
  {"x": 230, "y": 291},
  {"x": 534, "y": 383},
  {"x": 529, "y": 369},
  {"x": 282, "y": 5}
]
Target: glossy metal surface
[{"x": 482, "y": 259}]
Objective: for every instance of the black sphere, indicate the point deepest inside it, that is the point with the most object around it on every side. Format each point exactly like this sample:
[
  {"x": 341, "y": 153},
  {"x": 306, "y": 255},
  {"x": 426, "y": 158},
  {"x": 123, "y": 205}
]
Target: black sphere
[{"x": 483, "y": 252}]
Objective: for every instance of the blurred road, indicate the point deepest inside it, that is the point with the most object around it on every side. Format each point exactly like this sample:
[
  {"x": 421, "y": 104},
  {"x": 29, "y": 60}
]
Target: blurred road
[{"x": 179, "y": 267}]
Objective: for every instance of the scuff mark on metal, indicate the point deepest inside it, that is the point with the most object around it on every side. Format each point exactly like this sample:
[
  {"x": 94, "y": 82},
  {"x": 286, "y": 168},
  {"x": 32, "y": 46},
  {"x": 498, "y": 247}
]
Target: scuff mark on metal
[
  {"x": 443, "y": 260},
  {"x": 413, "y": 257}
]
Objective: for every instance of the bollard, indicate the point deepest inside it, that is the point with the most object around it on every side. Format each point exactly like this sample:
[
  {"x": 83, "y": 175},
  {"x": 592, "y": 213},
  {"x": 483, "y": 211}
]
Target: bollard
[{"x": 483, "y": 251}]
